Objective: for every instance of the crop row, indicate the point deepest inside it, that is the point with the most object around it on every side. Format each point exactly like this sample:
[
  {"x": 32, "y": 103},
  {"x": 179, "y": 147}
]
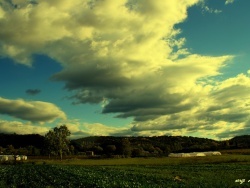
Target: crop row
[
  {"x": 60, "y": 176},
  {"x": 74, "y": 176}
]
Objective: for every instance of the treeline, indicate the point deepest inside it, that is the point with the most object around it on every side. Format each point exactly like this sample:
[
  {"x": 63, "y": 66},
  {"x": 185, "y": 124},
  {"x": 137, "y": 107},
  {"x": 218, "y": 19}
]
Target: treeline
[
  {"x": 29, "y": 144},
  {"x": 108, "y": 146},
  {"x": 144, "y": 146},
  {"x": 239, "y": 142}
]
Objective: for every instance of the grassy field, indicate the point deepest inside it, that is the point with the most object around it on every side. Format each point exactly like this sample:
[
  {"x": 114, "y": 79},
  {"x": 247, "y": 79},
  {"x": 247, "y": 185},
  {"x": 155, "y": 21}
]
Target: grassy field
[
  {"x": 150, "y": 161},
  {"x": 215, "y": 171},
  {"x": 236, "y": 151}
]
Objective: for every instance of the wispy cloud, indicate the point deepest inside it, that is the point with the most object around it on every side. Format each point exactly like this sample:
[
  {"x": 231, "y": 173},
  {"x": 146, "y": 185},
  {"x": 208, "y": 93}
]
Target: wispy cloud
[
  {"x": 229, "y": 2},
  {"x": 206, "y": 8}
]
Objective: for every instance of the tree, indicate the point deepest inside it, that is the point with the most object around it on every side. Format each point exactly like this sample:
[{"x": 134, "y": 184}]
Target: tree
[
  {"x": 98, "y": 150},
  {"x": 137, "y": 152},
  {"x": 56, "y": 141},
  {"x": 11, "y": 149},
  {"x": 110, "y": 149},
  {"x": 1, "y": 149},
  {"x": 72, "y": 150},
  {"x": 126, "y": 149}
]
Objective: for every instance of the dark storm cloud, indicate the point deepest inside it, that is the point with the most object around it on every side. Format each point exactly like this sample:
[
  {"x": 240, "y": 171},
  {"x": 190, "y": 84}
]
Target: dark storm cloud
[
  {"x": 142, "y": 99},
  {"x": 147, "y": 113},
  {"x": 229, "y": 93},
  {"x": 91, "y": 75},
  {"x": 229, "y": 116},
  {"x": 33, "y": 91}
]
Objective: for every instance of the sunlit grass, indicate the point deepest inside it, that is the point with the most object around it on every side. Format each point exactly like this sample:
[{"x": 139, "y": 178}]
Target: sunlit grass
[{"x": 149, "y": 161}]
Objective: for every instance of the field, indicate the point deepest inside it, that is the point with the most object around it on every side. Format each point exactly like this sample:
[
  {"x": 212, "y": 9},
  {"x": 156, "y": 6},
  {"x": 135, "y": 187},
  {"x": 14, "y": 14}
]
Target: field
[{"x": 215, "y": 171}]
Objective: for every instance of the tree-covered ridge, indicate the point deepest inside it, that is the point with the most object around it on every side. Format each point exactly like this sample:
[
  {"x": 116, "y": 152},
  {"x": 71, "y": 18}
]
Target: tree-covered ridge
[
  {"x": 108, "y": 146},
  {"x": 240, "y": 141},
  {"x": 146, "y": 146},
  {"x": 18, "y": 140}
]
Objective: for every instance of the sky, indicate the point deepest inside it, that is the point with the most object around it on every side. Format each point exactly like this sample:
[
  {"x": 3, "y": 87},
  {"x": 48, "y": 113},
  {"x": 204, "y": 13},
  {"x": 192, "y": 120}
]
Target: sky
[{"x": 125, "y": 67}]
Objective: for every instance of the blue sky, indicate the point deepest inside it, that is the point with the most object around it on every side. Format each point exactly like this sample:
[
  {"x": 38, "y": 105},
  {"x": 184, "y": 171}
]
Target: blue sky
[{"x": 125, "y": 68}]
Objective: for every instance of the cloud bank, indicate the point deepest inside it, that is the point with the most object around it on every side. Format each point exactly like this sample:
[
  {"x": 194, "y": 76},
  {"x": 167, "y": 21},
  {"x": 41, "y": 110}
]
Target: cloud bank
[{"x": 17, "y": 127}]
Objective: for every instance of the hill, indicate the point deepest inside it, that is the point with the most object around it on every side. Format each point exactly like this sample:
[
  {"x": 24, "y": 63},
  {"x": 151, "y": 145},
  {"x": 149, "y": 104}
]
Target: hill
[
  {"x": 146, "y": 146},
  {"x": 129, "y": 146},
  {"x": 240, "y": 142},
  {"x": 18, "y": 141}
]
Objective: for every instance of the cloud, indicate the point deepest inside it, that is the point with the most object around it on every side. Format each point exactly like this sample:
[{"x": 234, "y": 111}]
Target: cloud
[
  {"x": 230, "y": 134},
  {"x": 21, "y": 128},
  {"x": 229, "y": 2},
  {"x": 87, "y": 30},
  {"x": 35, "y": 111},
  {"x": 125, "y": 55},
  {"x": 214, "y": 110},
  {"x": 33, "y": 91},
  {"x": 80, "y": 129},
  {"x": 208, "y": 9}
]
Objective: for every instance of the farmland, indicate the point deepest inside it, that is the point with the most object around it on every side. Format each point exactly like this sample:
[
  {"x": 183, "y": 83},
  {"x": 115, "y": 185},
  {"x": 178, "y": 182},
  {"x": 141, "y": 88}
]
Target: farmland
[{"x": 215, "y": 171}]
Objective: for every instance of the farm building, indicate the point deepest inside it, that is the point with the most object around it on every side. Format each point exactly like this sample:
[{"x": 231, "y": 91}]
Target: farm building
[
  {"x": 195, "y": 154},
  {"x": 90, "y": 153}
]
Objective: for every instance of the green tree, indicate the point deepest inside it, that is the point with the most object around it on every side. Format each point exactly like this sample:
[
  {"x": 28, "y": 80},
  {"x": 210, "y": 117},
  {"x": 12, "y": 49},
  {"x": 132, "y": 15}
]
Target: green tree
[
  {"x": 137, "y": 152},
  {"x": 110, "y": 149},
  {"x": 10, "y": 149},
  {"x": 1, "y": 149},
  {"x": 98, "y": 150},
  {"x": 72, "y": 150},
  {"x": 126, "y": 149},
  {"x": 56, "y": 141}
]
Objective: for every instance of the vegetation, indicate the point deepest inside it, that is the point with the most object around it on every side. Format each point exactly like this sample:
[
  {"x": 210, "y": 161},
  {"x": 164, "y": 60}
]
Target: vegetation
[
  {"x": 217, "y": 171},
  {"x": 122, "y": 161},
  {"x": 56, "y": 141}
]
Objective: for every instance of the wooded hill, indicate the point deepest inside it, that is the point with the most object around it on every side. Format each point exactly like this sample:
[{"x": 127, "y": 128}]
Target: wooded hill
[
  {"x": 18, "y": 141},
  {"x": 33, "y": 144}
]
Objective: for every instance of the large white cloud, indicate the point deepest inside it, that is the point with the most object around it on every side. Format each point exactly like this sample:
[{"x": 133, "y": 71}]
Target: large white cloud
[
  {"x": 85, "y": 31},
  {"x": 35, "y": 111}
]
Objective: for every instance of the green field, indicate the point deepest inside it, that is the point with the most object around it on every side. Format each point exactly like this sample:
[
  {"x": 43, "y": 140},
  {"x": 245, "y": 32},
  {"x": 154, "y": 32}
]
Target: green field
[{"x": 215, "y": 171}]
